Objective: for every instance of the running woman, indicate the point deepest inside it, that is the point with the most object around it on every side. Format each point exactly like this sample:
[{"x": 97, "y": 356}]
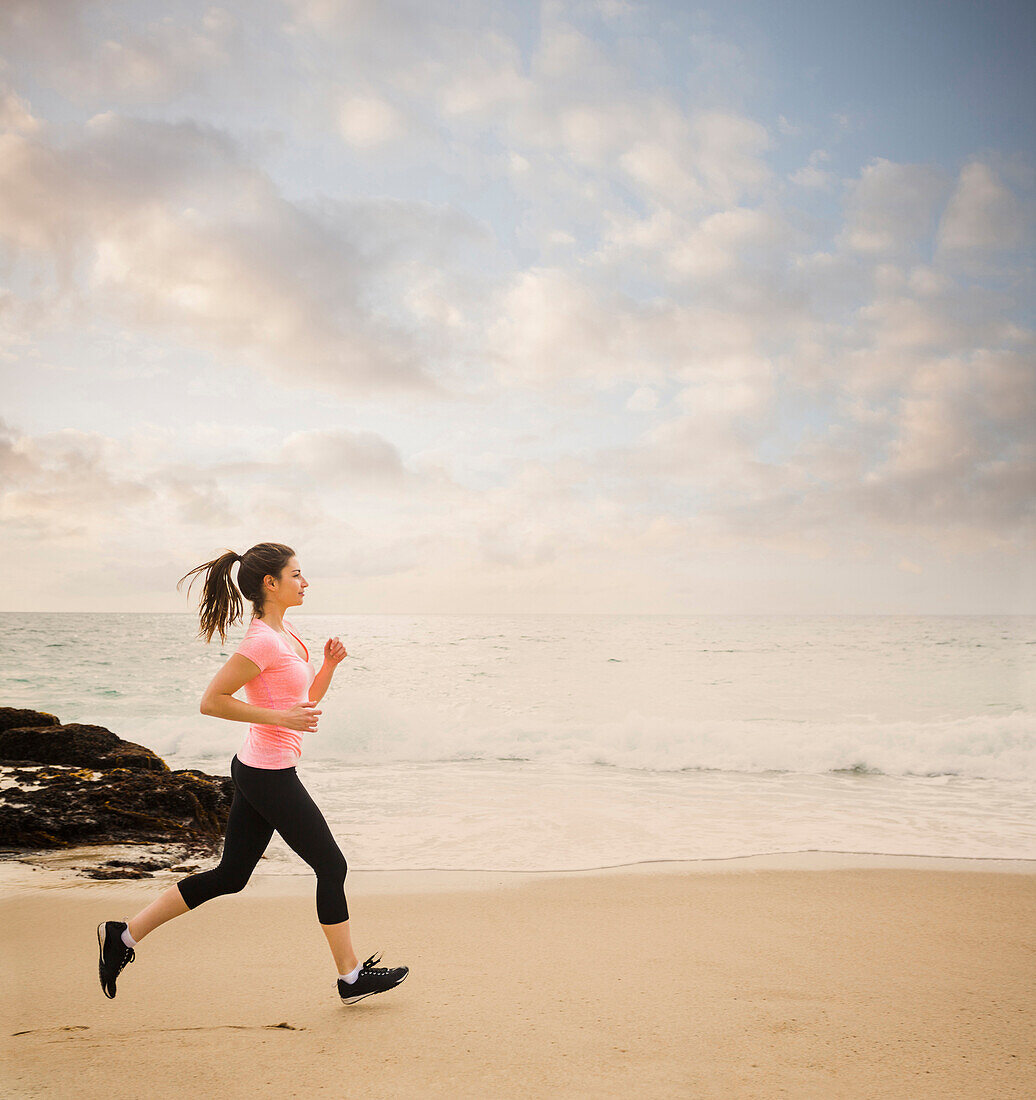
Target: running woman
[{"x": 272, "y": 665}]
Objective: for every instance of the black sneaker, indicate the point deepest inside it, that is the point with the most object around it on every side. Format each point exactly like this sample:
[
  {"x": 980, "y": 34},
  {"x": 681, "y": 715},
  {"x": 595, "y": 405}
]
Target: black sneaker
[
  {"x": 114, "y": 954},
  {"x": 371, "y": 979}
]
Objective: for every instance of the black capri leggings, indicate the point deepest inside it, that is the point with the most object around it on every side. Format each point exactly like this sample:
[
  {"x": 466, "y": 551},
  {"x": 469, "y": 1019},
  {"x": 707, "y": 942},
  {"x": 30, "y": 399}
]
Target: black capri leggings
[{"x": 266, "y": 799}]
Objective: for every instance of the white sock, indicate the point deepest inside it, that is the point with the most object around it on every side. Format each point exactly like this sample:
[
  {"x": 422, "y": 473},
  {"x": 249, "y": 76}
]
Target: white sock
[
  {"x": 127, "y": 939},
  {"x": 350, "y": 978}
]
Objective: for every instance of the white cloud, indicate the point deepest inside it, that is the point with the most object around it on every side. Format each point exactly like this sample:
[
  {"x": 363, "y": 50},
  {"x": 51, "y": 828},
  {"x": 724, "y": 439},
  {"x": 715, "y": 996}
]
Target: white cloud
[
  {"x": 60, "y": 484},
  {"x": 551, "y": 328},
  {"x": 343, "y": 455},
  {"x": 710, "y": 440},
  {"x": 571, "y": 113},
  {"x": 811, "y": 175},
  {"x": 369, "y": 120},
  {"x": 98, "y": 53},
  {"x": 642, "y": 399},
  {"x": 718, "y": 245},
  {"x": 168, "y": 227},
  {"x": 68, "y": 483},
  {"x": 982, "y": 213},
  {"x": 892, "y": 206},
  {"x": 15, "y": 113}
]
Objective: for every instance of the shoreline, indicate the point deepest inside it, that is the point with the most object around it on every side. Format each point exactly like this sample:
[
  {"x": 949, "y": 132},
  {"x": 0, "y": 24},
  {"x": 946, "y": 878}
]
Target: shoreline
[{"x": 52, "y": 869}]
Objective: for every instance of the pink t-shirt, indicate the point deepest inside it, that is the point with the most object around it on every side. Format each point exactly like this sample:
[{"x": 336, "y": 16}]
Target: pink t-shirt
[{"x": 284, "y": 680}]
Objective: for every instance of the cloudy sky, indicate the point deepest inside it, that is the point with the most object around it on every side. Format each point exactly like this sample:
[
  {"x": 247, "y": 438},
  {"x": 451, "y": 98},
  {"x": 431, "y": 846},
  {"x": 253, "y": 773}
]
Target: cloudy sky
[{"x": 599, "y": 305}]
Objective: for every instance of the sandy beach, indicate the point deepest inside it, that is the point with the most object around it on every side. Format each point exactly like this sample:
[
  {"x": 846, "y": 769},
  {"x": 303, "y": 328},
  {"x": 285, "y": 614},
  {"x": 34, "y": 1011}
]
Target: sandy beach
[{"x": 856, "y": 982}]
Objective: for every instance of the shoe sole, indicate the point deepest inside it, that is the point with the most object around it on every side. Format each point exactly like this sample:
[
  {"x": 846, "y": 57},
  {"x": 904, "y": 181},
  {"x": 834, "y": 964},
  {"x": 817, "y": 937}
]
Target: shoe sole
[
  {"x": 100, "y": 960},
  {"x": 373, "y": 992}
]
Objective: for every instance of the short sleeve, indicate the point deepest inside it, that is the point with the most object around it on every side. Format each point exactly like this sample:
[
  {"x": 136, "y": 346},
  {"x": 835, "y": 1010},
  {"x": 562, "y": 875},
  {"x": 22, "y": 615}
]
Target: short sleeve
[{"x": 260, "y": 648}]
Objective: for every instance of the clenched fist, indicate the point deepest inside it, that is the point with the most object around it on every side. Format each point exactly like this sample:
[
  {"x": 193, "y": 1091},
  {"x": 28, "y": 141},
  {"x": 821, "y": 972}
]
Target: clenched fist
[
  {"x": 334, "y": 652},
  {"x": 302, "y": 717}
]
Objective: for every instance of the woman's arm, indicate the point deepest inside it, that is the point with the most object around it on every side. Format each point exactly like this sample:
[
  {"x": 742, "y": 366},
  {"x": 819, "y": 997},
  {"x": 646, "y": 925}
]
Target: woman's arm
[
  {"x": 321, "y": 682},
  {"x": 334, "y": 654},
  {"x": 219, "y": 702}
]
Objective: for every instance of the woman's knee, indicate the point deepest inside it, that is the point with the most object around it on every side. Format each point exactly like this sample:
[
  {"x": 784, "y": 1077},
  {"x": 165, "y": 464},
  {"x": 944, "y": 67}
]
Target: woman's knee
[
  {"x": 232, "y": 879},
  {"x": 331, "y": 865},
  {"x": 207, "y": 885}
]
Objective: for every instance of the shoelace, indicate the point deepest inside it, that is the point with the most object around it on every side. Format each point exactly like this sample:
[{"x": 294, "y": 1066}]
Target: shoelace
[
  {"x": 370, "y": 968},
  {"x": 128, "y": 957}
]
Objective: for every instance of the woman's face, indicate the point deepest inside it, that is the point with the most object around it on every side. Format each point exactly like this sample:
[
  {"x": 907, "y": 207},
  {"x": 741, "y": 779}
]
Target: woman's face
[{"x": 291, "y": 588}]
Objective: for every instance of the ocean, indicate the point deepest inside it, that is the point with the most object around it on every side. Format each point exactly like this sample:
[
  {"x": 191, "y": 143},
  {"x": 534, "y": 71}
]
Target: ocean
[{"x": 561, "y": 742}]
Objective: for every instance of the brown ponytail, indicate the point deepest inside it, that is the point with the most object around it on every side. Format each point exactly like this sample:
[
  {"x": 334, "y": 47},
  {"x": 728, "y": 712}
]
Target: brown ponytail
[{"x": 221, "y": 604}]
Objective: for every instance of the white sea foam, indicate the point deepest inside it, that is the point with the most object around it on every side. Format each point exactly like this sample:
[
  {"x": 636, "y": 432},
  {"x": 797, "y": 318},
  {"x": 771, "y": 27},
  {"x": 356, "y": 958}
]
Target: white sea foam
[
  {"x": 633, "y": 738},
  {"x": 377, "y": 732}
]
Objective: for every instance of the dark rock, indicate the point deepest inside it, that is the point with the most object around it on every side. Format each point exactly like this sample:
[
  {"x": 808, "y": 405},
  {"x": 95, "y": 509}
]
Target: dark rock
[
  {"x": 142, "y": 869},
  {"x": 12, "y": 717},
  {"x": 86, "y": 746},
  {"x": 124, "y": 805},
  {"x": 97, "y": 872},
  {"x": 94, "y": 788}
]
